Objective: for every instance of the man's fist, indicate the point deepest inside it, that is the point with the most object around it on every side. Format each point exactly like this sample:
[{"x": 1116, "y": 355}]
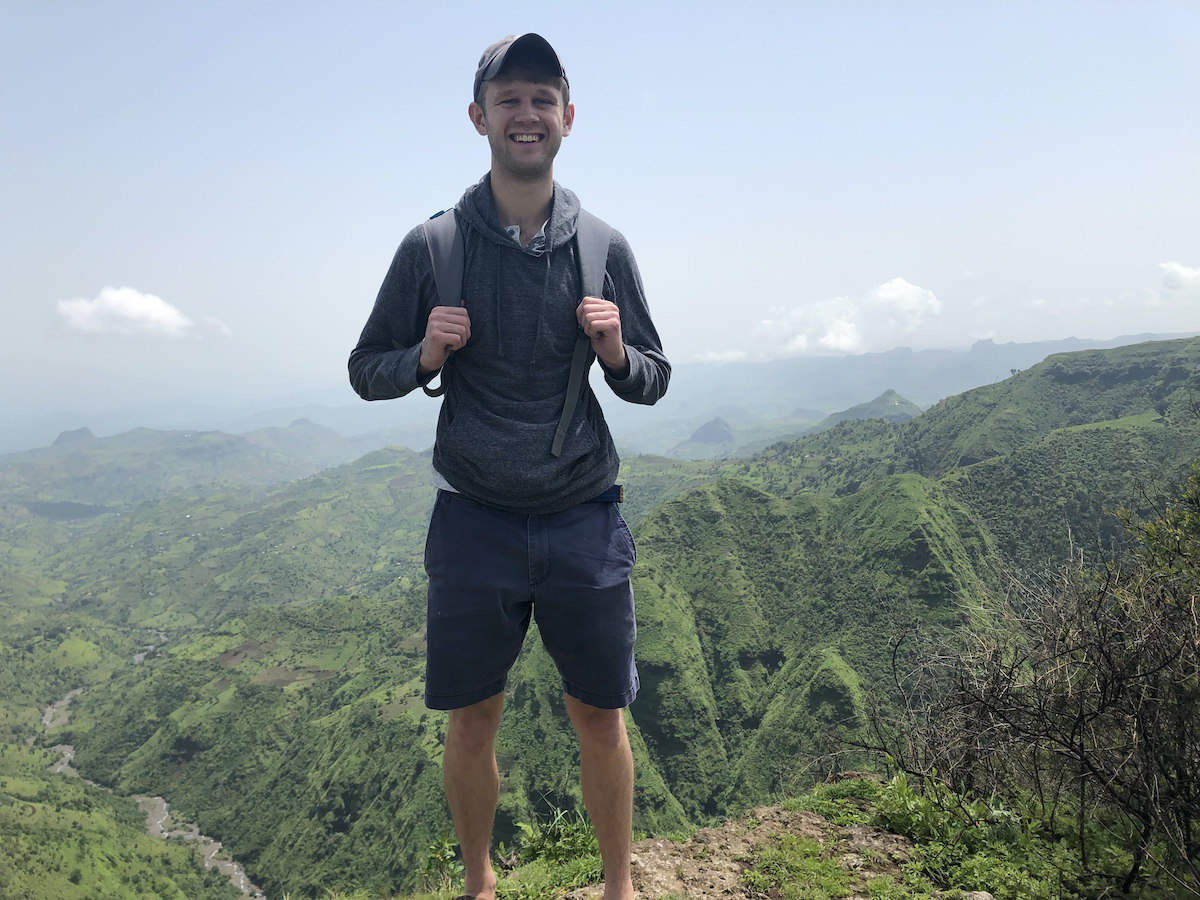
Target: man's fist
[
  {"x": 448, "y": 328},
  {"x": 601, "y": 321}
]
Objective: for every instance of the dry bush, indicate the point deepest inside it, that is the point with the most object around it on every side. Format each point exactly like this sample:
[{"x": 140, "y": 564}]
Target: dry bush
[{"x": 1081, "y": 691}]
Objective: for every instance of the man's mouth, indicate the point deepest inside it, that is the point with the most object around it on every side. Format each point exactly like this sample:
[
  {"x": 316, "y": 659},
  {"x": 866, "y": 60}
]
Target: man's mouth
[{"x": 526, "y": 138}]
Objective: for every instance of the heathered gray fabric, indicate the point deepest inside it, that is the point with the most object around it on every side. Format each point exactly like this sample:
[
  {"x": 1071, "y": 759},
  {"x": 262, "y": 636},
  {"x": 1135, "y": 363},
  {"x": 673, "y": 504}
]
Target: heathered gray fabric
[{"x": 505, "y": 388}]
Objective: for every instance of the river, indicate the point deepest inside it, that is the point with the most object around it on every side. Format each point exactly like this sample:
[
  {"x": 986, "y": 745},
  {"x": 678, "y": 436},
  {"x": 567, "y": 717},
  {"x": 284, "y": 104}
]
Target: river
[{"x": 159, "y": 821}]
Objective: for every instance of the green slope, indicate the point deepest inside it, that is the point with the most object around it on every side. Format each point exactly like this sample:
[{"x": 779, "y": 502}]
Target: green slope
[
  {"x": 765, "y": 603},
  {"x": 299, "y": 736},
  {"x": 1065, "y": 390},
  {"x": 63, "y": 840},
  {"x": 744, "y": 597}
]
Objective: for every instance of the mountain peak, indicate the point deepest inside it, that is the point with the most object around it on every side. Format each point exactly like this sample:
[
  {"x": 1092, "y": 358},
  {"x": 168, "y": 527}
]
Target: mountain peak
[
  {"x": 715, "y": 432},
  {"x": 74, "y": 436}
]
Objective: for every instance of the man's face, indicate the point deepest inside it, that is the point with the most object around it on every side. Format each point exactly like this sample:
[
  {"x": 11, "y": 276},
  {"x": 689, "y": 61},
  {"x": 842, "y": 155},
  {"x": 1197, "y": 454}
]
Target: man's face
[{"x": 524, "y": 122}]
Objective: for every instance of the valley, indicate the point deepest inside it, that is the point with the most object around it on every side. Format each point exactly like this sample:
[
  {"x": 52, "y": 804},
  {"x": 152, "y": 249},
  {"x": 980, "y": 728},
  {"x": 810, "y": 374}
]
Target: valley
[{"x": 240, "y": 632}]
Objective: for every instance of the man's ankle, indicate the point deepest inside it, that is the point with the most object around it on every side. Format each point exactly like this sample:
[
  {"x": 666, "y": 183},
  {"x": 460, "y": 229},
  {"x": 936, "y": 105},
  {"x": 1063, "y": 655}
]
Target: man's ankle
[{"x": 484, "y": 886}]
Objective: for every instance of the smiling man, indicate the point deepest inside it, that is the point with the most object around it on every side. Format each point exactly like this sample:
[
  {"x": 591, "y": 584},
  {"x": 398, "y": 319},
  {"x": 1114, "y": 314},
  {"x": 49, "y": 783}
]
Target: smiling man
[{"x": 527, "y": 520}]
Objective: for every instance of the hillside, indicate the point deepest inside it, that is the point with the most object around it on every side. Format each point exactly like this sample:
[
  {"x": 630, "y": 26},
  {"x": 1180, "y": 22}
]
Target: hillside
[
  {"x": 128, "y": 468},
  {"x": 61, "y": 839},
  {"x": 1039, "y": 457},
  {"x": 285, "y": 715},
  {"x": 889, "y": 406}
]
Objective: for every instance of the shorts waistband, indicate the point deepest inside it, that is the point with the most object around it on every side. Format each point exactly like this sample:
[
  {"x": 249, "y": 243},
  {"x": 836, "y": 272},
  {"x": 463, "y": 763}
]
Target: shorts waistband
[{"x": 615, "y": 494}]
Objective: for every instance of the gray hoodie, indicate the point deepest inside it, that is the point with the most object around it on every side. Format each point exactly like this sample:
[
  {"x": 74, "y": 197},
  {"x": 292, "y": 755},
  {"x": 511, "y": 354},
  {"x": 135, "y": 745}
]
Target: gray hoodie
[{"x": 505, "y": 388}]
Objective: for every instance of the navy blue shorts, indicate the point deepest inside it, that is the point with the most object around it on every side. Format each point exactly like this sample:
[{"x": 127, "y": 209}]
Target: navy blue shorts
[{"x": 490, "y": 570}]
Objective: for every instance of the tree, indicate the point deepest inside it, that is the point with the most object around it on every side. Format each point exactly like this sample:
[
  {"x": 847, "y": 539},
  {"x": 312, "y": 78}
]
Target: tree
[{"x": 1082, "y": 690}]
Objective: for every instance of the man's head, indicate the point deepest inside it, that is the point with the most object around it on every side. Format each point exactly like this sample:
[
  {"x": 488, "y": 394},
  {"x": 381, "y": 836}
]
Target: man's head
[
  {"x": 522, "y": 105},
  {"x": 527, "y": 57}
]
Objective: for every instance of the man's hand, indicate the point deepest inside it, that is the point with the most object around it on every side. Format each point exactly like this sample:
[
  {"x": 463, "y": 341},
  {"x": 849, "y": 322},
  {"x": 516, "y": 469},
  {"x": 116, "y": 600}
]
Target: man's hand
[
  {"x": 448, "y": 328},
  {"x": 601, "y": 321}
]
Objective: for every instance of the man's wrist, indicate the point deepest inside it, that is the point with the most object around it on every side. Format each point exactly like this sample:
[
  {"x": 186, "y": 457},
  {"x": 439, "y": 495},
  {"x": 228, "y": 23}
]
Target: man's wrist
[
  {"x": 620, "y": 371},
  {"x": 424, "y": 369}
]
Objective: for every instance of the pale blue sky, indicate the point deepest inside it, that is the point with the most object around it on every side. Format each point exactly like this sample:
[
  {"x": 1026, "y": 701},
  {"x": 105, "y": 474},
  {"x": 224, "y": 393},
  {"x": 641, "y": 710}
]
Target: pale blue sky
[{"x": 794, "y": 178}]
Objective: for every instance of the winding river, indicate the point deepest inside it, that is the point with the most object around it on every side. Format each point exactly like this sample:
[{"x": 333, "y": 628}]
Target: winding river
[{"x": 159, "y": 821}]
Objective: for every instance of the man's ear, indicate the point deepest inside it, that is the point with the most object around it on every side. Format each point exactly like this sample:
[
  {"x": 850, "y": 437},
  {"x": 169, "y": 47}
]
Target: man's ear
[
  {"x": 478, "y": 117},
  {"x": 568, "y": 118}
]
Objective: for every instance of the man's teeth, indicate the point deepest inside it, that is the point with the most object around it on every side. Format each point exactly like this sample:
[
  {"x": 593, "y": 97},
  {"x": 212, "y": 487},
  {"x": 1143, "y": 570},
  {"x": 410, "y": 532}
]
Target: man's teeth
[{"x": 526, "y": 138}]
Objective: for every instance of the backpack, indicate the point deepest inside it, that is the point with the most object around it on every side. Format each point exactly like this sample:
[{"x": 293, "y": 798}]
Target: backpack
[{"x": 445, "y": 242}]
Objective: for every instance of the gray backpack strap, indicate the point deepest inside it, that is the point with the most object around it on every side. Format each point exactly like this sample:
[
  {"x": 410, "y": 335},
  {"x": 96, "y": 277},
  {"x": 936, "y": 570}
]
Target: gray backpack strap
[
  {"x": 592, "y": 237},
  {"x": 445, "y": 242}
]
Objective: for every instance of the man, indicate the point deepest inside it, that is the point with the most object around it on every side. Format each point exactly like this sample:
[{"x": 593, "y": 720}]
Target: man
[{"x": 522, "y": 525}]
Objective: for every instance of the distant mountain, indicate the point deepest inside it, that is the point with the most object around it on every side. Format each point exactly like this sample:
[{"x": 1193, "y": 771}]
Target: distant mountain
[
  {"x": 799, "y": 388},
  {"x": 889, "y": 406},
  {"x": 321, "y": 446},
  {"x": 130, "y": 467}
]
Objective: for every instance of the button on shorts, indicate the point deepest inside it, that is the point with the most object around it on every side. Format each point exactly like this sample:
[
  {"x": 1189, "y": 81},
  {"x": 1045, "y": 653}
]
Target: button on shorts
[{"x": 490, "y": 571}]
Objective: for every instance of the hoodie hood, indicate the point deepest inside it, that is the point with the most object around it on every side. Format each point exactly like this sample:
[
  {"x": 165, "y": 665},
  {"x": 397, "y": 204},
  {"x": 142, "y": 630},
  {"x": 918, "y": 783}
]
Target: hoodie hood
[{"x": 478, "y": 209}]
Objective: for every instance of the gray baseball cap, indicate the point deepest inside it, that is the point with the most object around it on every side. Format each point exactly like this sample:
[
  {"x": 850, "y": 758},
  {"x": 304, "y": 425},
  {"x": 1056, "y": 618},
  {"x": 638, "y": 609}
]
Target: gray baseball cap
[{"x": 530, "y": 46}]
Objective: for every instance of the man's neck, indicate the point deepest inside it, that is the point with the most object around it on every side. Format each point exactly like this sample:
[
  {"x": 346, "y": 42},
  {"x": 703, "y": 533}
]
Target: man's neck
[{"x": 521, "y": 202}]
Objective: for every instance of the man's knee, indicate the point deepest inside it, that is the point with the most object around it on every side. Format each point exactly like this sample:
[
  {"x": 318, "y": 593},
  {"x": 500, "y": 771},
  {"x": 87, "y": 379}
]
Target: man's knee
[
  {"x": 473, "y": 728},
  {"x": 603, "y": 728}
]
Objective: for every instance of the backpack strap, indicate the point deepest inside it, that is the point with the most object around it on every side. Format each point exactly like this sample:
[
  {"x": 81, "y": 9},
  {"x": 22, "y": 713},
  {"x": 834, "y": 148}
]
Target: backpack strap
[
  {"x": 592, "y": 237},
  {"x": 445, "y": 241}
]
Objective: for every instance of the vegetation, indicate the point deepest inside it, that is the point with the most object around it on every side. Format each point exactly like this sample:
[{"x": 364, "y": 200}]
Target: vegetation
[
  {"x": 1081, "y": 707},
  {"x": 284, "y": 714},
  {"x": 61, "y": 839}
]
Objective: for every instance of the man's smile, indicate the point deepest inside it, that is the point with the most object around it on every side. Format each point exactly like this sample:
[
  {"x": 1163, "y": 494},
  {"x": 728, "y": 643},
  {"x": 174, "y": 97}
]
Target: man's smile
[{"x": 527, "y": 138}]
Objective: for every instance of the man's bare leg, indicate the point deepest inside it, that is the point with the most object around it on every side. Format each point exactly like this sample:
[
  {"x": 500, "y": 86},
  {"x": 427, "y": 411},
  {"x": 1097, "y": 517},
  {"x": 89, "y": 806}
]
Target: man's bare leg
[
  {"x": 472, "y": 788},
  {"x": 607, "y": 775}
]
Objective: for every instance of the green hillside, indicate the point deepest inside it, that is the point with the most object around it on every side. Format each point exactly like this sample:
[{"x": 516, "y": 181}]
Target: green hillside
[
  {"x": 1038, "y": 457},
  {"x": 759, "y": 616},
  {"x": 299, "y": 735},
  {"x": 63, "y": 840},
  {"x": 124, "y": 469},
  {"x": 888, "y": 406},
  {"x": 1065, "y": 390},
  {"x": 286, "y": 718}
]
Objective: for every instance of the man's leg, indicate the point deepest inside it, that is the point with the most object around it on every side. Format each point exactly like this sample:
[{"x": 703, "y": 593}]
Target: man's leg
[
  {"x": 607, "y": 775},
  {"x": 472, "y": 788}
]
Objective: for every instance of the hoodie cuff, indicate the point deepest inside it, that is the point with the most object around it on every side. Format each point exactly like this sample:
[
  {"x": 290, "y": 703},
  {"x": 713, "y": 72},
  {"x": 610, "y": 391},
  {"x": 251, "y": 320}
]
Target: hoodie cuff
[{"x": 623, "y": 385}]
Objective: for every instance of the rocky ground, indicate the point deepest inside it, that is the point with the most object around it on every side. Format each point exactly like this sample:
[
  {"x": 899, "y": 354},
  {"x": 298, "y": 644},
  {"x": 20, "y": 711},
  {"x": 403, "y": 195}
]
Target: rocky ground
[{"x": 709, "y": 865}]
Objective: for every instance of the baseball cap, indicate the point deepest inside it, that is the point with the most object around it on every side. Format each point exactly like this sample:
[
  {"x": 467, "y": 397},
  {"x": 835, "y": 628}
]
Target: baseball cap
[{"x": 529, "y": 46}]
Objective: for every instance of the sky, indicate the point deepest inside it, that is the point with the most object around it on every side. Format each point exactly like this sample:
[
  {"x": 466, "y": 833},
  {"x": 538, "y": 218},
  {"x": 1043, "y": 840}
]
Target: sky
[{"x": 200, "y": 200}]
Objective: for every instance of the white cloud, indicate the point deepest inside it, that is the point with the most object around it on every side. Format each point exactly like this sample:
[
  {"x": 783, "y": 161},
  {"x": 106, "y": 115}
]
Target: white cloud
[
  {"x": 907, "y": 305},
  {"x": 842, "y": 336},
  {"x": 839, "y": 325},
  {"x": 1177, "y": 277},
  {"x": 830, "y": 326},
  {"x": 712, "y": 356},
  {"x": 127, "y": 310}
]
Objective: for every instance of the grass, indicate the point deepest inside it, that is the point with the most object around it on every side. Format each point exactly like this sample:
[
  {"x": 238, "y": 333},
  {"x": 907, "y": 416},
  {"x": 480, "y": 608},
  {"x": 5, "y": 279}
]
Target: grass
[
  {"x": 796, "y": 868},
  {"x": 841, "y": 803}
]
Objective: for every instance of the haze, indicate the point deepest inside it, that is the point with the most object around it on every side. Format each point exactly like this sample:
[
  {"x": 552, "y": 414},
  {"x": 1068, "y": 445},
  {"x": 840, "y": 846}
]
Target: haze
[{"x": 200, "y": 200}]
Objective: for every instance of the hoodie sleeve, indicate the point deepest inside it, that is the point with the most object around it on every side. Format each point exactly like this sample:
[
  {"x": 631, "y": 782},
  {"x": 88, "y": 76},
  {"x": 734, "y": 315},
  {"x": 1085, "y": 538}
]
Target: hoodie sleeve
[
  {"x": 384, "y": 364},
  {"x": 649, "y": 370}
]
